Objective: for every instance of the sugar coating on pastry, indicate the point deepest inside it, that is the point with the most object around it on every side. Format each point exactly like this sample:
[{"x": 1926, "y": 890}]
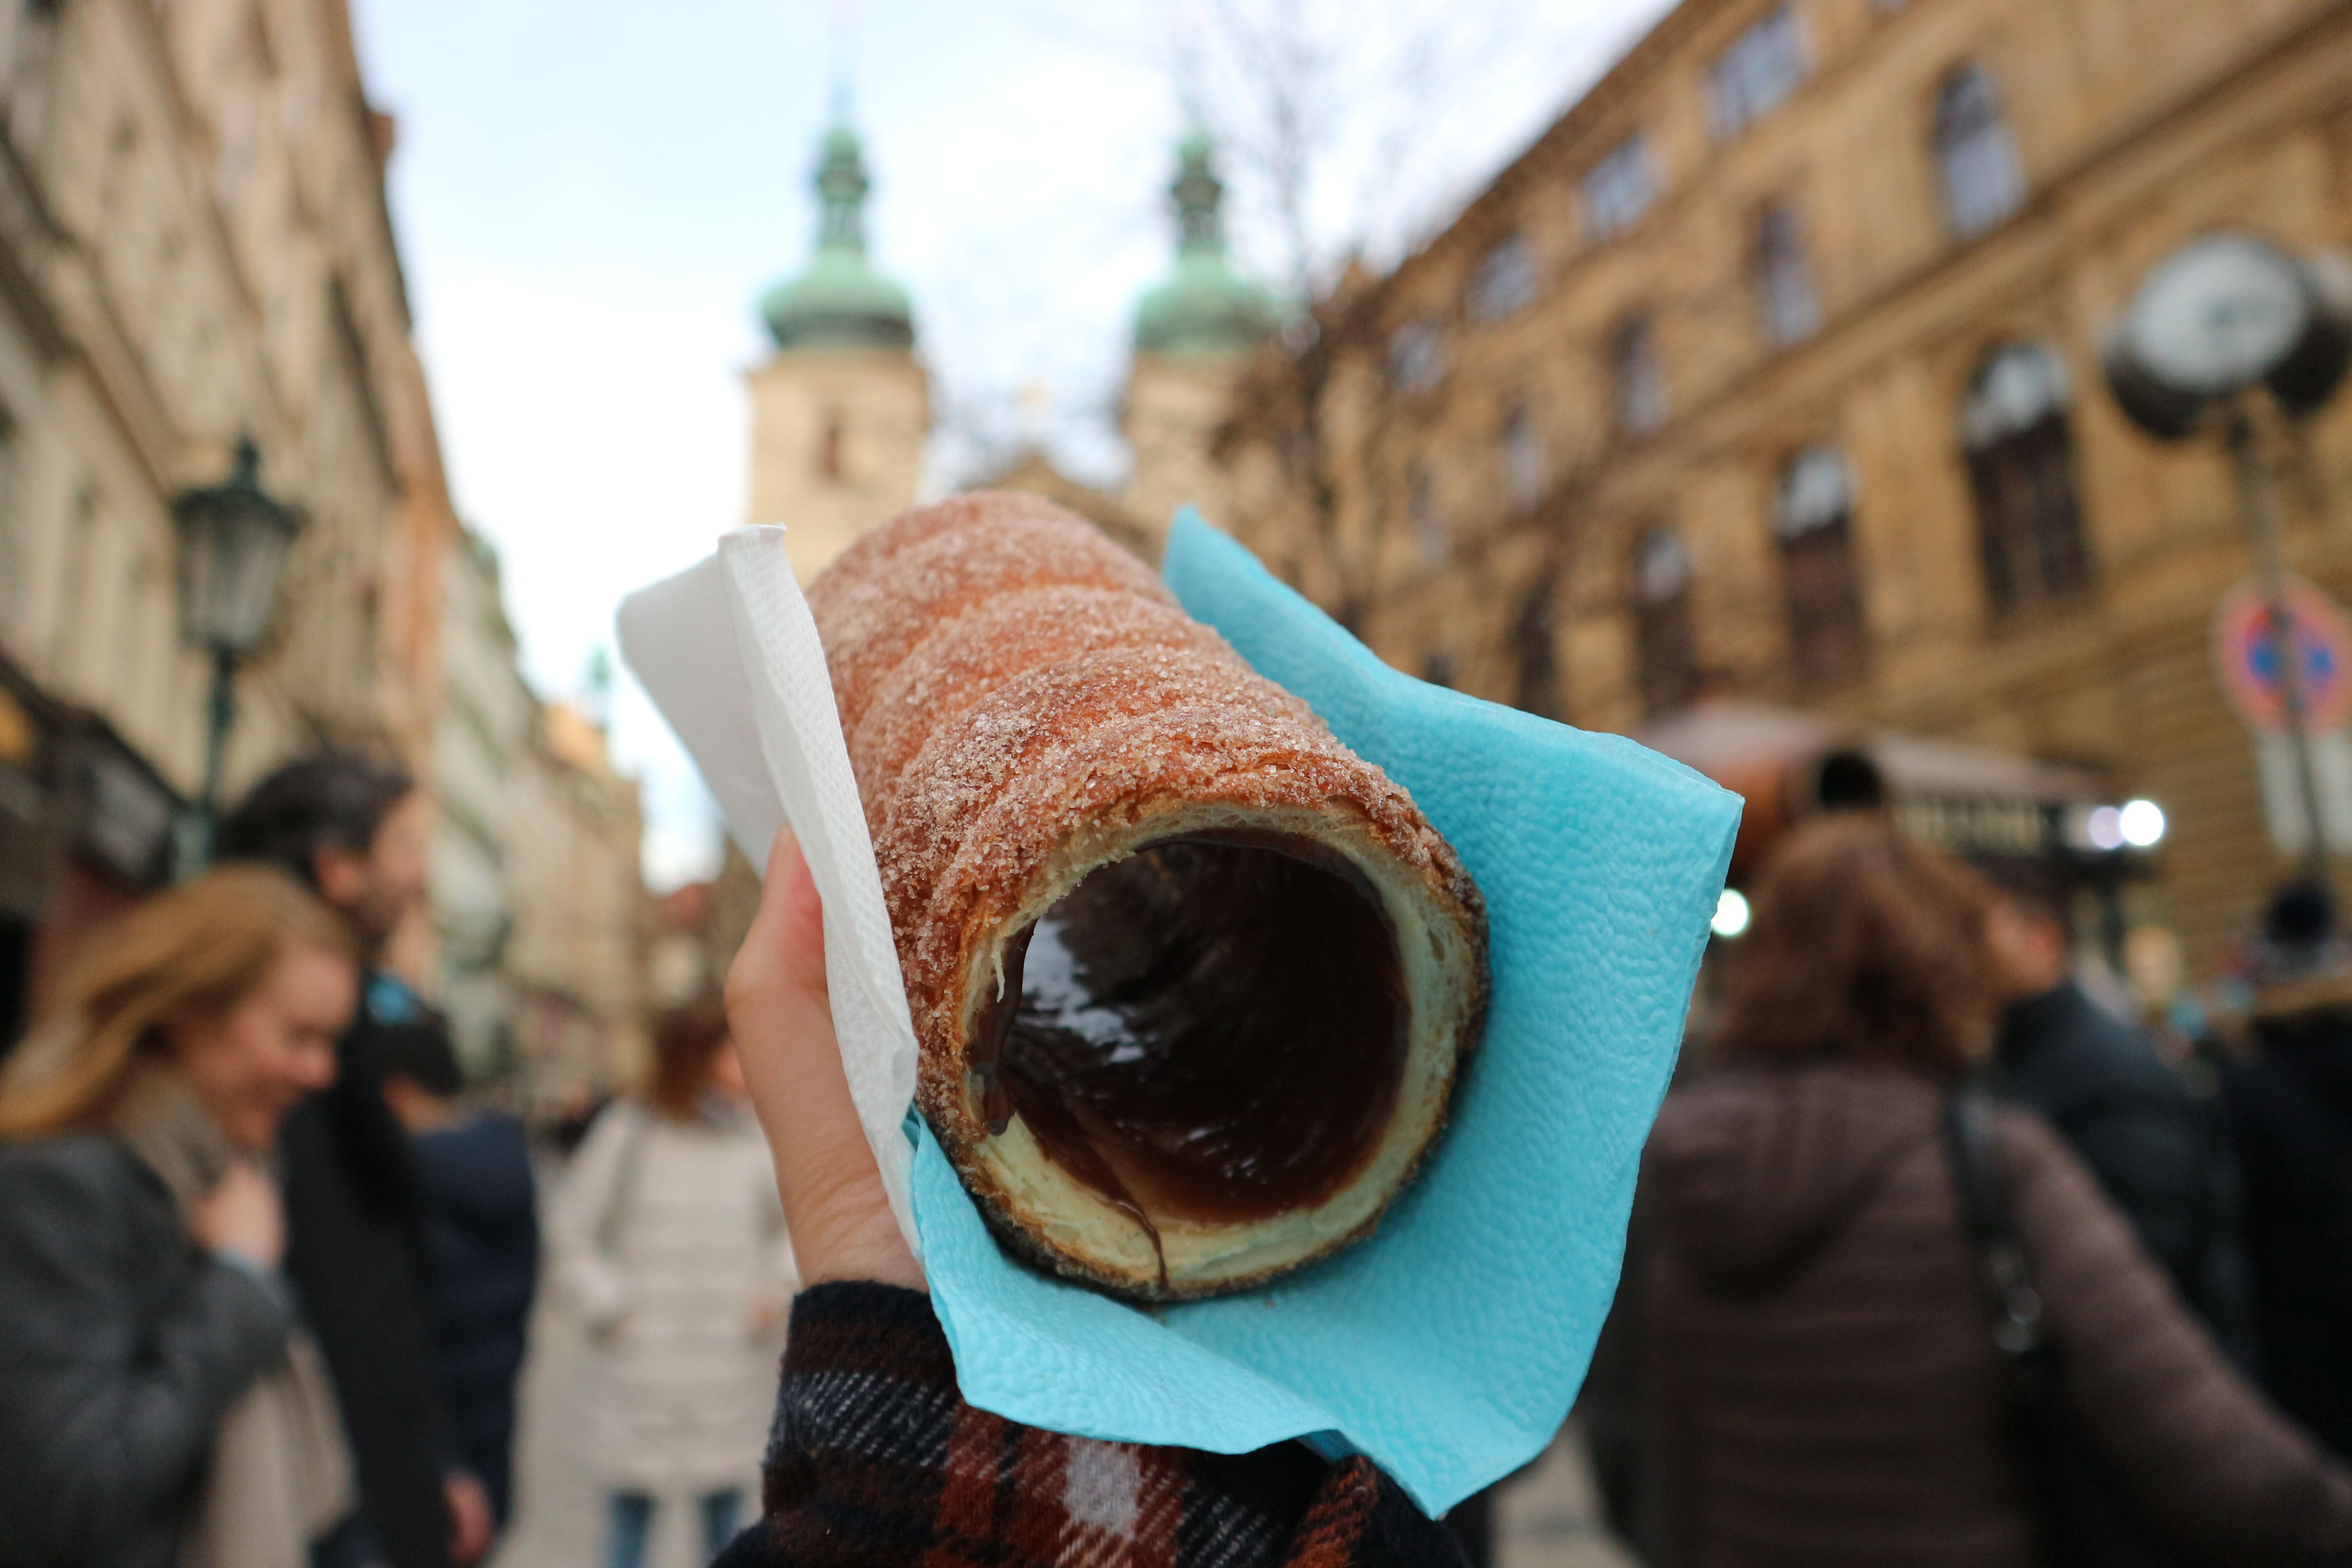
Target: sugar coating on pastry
[{"x": 1191, "y": 982}]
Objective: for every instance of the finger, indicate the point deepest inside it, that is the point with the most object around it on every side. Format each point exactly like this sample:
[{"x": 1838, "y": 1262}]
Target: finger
[{"x": 835, "y": 1207}]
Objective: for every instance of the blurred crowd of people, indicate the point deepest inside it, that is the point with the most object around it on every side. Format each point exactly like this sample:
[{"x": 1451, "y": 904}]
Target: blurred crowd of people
[
  {"x": 1937, "y": 1259},
  {"x": 267, "y": 1272}
]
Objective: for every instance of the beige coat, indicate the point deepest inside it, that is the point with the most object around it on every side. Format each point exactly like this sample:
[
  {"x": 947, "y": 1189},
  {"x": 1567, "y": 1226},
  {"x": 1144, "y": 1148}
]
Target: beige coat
[{"x": 668, "y": 1240}]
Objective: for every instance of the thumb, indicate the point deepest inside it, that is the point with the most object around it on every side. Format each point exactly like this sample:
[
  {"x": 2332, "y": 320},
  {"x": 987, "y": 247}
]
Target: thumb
[{"x": 778, "y": 1009}]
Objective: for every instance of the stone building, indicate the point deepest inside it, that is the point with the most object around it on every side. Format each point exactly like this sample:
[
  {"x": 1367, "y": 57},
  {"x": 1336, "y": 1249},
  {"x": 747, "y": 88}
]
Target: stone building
[
  {"x": 576, "y": 962},
  {"x": 489, "y": 719},
  {"x": 1771, "y": 371},
  {"x": 840, "y": 411},
  {"x": 193, "y": 248}
]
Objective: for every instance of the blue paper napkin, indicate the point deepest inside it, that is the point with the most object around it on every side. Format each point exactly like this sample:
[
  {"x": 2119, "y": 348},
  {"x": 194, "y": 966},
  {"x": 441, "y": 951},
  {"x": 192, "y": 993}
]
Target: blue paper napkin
[{"x": 1449, "y": 1346}]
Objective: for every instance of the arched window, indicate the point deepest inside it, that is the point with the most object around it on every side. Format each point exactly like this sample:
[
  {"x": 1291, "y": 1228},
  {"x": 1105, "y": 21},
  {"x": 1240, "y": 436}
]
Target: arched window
[
  {"x": 1637, "y": 378},
  {"x": 1982, "y": 182},
  {"x": 1667, "y": 663},
  {"x": 2020, "y": 457},
  {"x": 1782, "y": 275},
  {"x": 1812, "y": 514},
  {"x": 1527, "y": 467}
]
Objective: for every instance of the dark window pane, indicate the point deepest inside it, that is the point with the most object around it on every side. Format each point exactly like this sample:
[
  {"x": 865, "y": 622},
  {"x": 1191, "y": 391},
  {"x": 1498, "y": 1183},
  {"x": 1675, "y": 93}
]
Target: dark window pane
[
  {"x": 1504, "y": 283},
  {"x": 1417, "y": 356},
  {"x": 1812, "y": 518},
  {"x": 1431, "y": 540},
  {"x": 1526, "y": 464},
  {"x": 1982, "y": 182},
  {"x": 1535, "y": 660},
  {"x": 1784, "y": 279},
  {"x": 1618, "y": 190},
  {"x": 1637, "y": 375},
  {"x": 1763, "y": 66},
  {"x": 2021, "y": 455},
  {"x": 1667, "y": 663}
]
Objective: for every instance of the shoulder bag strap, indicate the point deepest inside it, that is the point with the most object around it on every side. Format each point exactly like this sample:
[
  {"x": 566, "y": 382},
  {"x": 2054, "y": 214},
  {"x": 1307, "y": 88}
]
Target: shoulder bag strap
[{"x": 2002, "y": 1274}]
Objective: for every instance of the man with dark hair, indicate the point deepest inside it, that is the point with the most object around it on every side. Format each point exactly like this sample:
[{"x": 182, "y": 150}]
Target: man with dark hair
[
  {"x": 2160, "y": 1154},
  {"x": 354, "y": 830}
]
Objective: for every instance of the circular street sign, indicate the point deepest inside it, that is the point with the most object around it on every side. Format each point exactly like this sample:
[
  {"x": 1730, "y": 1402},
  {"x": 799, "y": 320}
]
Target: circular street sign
[{"x": 2248, "y": 656}]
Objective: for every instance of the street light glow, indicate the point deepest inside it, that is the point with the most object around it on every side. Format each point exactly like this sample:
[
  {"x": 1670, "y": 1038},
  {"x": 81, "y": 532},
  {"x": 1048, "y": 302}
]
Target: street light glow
[
  {"x": 1731, "y": 913},
  {"x": 2140, "y": 824}
]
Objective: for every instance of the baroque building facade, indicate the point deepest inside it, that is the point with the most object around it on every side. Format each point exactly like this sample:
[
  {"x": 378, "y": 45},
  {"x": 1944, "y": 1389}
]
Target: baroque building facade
[
  {"x": 574, "y": 962},
  {"x": 1771, "y": 372},
  {"x": 488, "y": 721},
  {"x": 194, "y": 249}
]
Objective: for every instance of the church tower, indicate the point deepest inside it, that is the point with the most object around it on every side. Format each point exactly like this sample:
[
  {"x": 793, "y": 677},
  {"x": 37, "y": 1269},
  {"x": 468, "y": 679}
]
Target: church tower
[
  {"x": 840, "y": 411},
  {"x": 1193, "y": 333}
]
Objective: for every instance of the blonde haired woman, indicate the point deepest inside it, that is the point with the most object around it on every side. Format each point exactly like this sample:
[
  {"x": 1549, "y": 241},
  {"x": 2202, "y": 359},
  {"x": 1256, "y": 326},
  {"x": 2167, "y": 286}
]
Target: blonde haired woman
[{"x": 158, "y": 1404}]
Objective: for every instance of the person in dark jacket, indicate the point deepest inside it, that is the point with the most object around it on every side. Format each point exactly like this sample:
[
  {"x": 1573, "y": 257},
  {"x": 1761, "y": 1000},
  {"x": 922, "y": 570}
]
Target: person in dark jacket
[
  {"x": 481, "y": 1204},
  {"x": 160, "y": 1406},
  {"x": 2161, "y": 1156},
  {"x": 2290, "y": 1115},
  {"x": 876, "y": 1460},
  {"x": 355, "y": 831},
  {"x": 1825, "y": 1382}
]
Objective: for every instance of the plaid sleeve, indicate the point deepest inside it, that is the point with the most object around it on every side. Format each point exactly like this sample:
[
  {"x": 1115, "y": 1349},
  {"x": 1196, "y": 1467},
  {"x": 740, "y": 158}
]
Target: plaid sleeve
[{"x": 877, "y": 1462}]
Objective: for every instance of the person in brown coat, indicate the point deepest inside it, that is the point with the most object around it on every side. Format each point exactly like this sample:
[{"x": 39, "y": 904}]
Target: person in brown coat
[{"x": 1824, "y": 1384}]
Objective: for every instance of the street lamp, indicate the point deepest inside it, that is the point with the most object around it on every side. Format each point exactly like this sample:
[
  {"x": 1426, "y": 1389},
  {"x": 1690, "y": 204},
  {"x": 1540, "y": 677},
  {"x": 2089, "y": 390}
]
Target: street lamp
[
  {"x": 2226, "y": 334},
  {"x": 234, "y": 538}
]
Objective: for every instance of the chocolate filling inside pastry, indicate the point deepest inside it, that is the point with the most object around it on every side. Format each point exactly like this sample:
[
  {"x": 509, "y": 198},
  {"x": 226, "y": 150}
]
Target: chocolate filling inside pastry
[
  {"x": 1192, "y": 982},
  {"x": 1212, "y": 1028}
]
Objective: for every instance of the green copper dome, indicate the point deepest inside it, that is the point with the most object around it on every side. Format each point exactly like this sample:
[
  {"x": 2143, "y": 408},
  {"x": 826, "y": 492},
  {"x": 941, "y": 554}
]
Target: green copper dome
[
  {"x": 1205, "y": 306},
  {"x": 840, "y": 301}
]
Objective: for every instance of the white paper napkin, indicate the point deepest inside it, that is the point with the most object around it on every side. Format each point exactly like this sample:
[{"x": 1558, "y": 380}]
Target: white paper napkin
[{"x": 755, "y": 711}]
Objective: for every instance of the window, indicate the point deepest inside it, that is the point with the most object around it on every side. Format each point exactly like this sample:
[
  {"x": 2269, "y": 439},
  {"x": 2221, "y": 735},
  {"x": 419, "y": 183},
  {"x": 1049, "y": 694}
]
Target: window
[
  {"x": 1637, "y": 378},
  {"x": 1525, "y": 468},
  {"x": 1811, "y": 515},
  {"x": 1535, "y": 661},
  {"x": 1504, "y": 283},
  {"x": 1617, "y": 190},
  {"x": 1430, "y": 540},
  {"x": 1783, "y": 277},
  {"x": 1417, "y": 355},
  {"x": 1982, "y": 182},
  {"x": 828, "y": 450},
  {"x": 1666, "y": 666},
  {"x": 2020, "y": 457},
  {"x": 1763, "y": 66}
]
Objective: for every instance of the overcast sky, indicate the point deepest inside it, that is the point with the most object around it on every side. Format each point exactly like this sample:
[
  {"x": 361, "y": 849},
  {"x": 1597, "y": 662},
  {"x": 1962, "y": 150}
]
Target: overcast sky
[{"x": 592, "y": 193}]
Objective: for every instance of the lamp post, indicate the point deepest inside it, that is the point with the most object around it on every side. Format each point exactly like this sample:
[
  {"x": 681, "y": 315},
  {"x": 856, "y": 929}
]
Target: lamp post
[
  {"x": 2228, "y": 333},
  {"x": 234, "y": 538}
]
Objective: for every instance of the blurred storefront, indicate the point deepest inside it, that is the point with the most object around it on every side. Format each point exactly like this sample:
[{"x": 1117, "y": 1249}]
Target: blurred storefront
[
  {"x": 85, "y": 829},
  {"x": 1772, "y": 372}
]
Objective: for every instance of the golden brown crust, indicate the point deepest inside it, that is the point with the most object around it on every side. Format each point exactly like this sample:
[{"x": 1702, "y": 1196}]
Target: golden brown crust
[{"x": 1022, "y": 701}]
